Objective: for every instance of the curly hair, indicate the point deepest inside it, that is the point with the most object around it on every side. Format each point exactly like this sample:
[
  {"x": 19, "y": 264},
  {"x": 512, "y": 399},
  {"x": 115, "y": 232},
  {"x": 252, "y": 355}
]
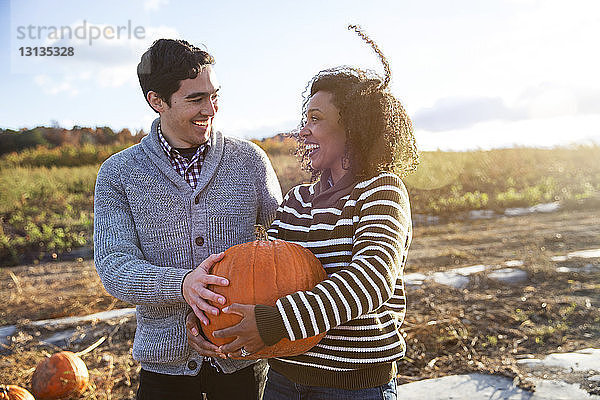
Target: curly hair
[
  {"x": 168, "y": 62},
  {"x": 379, "y": 133}
]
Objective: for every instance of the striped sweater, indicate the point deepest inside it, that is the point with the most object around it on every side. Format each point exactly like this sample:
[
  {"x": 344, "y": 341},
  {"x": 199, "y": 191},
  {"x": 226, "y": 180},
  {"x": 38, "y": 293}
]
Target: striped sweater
[{"x": 362, "y": 241}]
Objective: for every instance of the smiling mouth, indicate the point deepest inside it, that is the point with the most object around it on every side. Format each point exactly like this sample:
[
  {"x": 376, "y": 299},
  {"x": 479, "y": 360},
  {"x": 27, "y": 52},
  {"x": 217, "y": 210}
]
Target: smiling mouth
[
  {"x": 311, "y": 148},
  {"x": 202, "y": 124}
]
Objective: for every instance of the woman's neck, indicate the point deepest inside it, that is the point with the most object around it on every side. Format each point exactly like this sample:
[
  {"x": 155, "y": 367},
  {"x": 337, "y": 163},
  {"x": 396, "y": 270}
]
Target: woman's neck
[{"x": 337, "y": 173}]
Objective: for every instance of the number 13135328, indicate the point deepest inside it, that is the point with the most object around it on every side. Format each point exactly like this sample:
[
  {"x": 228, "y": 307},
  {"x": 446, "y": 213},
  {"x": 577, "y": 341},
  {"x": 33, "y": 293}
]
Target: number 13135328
[{"x": 48, "y": 51}]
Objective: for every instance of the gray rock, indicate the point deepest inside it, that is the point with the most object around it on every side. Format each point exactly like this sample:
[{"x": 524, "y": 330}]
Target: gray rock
[
  {"x": 480, "y": 387},
  {"x": 559, "y": 390},
  {"x": 101, "y": 316},
  {"x": 539, "y": 208},
  {"x": 581, "y": 360},
  {"x": 457, "y": 387},
  {"x": 481, "y": 214},
  {"x": 514, "y": 263},
  {"x": 473, "y": 269},
  {"x": 588, "y": 268},
  {"x": 425, "y": 220},
  {"x": 509, "y": 275},
  {"x": 459, "y": 277},
  {"x": 452, "y": 279},
  {"x": 415, "y": 279},
  {"x": 590, "y": 253},
  {"x": 546, "y": 207},
  {"x": 6, "y": 333},
  {"x": 61, "y": 339}
]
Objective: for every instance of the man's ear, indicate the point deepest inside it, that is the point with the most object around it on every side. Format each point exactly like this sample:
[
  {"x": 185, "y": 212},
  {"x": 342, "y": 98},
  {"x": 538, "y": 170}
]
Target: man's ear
[{"x": 156, "y": 102}]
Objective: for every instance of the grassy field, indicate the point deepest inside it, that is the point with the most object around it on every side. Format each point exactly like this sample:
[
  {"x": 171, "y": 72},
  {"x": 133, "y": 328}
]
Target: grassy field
[
  {"x": 46, "y": 195},
  {"x": 44, "y": 211},
  {"x": 498, "y": 179}
]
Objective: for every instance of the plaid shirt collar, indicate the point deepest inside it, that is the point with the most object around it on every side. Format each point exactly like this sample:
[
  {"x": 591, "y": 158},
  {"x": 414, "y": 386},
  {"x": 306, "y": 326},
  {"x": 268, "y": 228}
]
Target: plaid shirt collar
[{"x": 188, "y": 169}]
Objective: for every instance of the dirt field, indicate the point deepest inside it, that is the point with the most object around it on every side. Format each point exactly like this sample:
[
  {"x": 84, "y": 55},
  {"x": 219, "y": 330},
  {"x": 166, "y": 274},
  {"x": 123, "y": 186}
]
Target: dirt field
[{"x": 485, "y": 327}]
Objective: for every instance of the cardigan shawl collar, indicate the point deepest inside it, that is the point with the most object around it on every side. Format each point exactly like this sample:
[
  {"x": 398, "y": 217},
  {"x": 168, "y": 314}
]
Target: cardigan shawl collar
[{"x": 152, "y": 147}]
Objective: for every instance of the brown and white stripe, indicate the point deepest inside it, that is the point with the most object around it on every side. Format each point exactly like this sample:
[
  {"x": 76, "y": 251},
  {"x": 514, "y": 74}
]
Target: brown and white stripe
[{"x": 362, "y": 242}]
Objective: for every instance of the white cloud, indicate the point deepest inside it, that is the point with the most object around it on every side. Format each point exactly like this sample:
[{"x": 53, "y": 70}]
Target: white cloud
[
  {"x": 544, "y": 132},
  {"x": 546, "y": 100},
  {"x": 162, "y": 31},
  {"x": 154, "y": 5},
  {"x": 52, "y": 86},
  {"x": 463, "y": 112},
  {"x": 117, "y": 76}
]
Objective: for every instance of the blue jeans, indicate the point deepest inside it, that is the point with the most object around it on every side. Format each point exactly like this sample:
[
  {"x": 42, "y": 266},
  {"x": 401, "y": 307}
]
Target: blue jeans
[{"x": 279, "y": 387}]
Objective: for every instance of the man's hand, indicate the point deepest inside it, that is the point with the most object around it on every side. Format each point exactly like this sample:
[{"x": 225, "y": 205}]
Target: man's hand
[
  {"x": 245, "y": 332},
  {"x": 195, "y": 292},
  {"x": 197, "y": 342}
]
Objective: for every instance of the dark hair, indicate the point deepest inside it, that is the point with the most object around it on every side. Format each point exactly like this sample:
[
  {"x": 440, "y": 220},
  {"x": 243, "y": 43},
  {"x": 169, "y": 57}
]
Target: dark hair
[
  {"x": 379, "y": 133},
  {"x": 166, "y": 63}
]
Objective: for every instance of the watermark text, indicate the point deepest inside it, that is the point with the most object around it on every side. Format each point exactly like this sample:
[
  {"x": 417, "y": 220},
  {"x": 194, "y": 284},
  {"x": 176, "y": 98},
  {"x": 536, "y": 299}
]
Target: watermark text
[{"x": 84, "y": 31}]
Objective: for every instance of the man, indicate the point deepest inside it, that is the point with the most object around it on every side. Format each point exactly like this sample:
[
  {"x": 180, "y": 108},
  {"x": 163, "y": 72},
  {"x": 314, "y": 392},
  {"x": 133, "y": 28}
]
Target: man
[{"x": 165, "y": 210}]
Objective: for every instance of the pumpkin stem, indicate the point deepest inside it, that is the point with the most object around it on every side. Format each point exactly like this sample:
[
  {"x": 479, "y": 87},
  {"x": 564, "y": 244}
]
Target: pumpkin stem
[{"x": 260, "y": 232}]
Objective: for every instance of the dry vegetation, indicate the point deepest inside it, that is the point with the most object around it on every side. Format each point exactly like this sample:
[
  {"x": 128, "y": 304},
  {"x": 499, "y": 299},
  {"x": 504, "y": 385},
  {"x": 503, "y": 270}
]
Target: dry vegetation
[
  {"x": 488, "y": 326},
  {"x": 485, "y": 327}
]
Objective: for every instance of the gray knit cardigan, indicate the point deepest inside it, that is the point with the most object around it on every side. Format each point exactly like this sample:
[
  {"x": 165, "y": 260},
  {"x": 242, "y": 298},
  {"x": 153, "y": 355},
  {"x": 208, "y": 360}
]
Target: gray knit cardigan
[{"x": 151, "y": 228}]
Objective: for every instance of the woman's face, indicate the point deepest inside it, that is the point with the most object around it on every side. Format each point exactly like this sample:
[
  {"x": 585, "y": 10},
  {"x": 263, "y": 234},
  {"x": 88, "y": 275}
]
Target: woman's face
[{"x": 323, "y": 135}]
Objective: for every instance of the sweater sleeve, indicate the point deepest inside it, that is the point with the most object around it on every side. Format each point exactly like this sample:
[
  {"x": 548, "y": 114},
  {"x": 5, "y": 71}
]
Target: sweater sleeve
[
  {"x": 119, "y": 261},
  {"x": 270, "y": 325},
  {"x": 381, "y": 237}
]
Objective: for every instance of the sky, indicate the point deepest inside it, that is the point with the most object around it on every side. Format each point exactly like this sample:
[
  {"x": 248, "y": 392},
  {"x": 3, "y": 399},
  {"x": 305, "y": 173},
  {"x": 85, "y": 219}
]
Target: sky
[{"x": 472, "y": 74}]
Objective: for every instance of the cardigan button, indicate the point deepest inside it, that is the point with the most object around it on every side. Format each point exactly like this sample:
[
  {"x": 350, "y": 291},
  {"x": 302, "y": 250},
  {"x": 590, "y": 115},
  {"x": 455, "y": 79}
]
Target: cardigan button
[
  {"x": 197, "y": 199},
  {"x": 192, "y": 365},
  {"x": 199, "y": 240}
]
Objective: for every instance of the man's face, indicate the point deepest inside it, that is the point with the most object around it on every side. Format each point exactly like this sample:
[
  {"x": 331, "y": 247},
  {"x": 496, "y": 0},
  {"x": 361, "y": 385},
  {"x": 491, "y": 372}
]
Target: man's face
[{"x": 188, "y": 122}]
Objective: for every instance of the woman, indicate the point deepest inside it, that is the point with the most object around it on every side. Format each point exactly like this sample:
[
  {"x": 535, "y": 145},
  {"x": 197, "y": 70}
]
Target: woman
[{"x": 355, "y": 136}]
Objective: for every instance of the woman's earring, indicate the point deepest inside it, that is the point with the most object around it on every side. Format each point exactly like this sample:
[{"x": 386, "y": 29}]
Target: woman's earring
[{"x": 346, "y": 159}]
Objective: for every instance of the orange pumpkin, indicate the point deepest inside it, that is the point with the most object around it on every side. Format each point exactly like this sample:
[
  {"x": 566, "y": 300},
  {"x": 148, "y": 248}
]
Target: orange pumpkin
[
  {"x": 261, "y": 272},
  {"x": 13, "y": 392},
  {"x": 59, "y": 377}
]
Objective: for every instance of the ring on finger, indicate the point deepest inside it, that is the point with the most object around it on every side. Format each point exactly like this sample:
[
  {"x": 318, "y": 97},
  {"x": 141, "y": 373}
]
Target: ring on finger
[{"x": 244, "y": 352}]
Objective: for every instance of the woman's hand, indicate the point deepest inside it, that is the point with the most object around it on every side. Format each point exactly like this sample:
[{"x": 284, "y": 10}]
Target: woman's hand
[
  {"x": 197, "y": 341},
  {"x": 245, "y": 332}
]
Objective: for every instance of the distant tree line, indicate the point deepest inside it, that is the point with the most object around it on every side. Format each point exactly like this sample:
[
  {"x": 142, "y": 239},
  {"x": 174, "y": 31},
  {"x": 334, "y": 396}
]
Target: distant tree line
[{"x": 15, "y": 141}]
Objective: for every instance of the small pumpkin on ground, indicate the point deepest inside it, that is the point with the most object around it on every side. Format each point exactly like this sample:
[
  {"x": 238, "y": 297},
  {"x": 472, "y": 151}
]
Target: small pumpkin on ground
[
  {"x": 14, "y": 392},
  {"x": 260, "y": 272},
  {"x": 61, "y": 376}
]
